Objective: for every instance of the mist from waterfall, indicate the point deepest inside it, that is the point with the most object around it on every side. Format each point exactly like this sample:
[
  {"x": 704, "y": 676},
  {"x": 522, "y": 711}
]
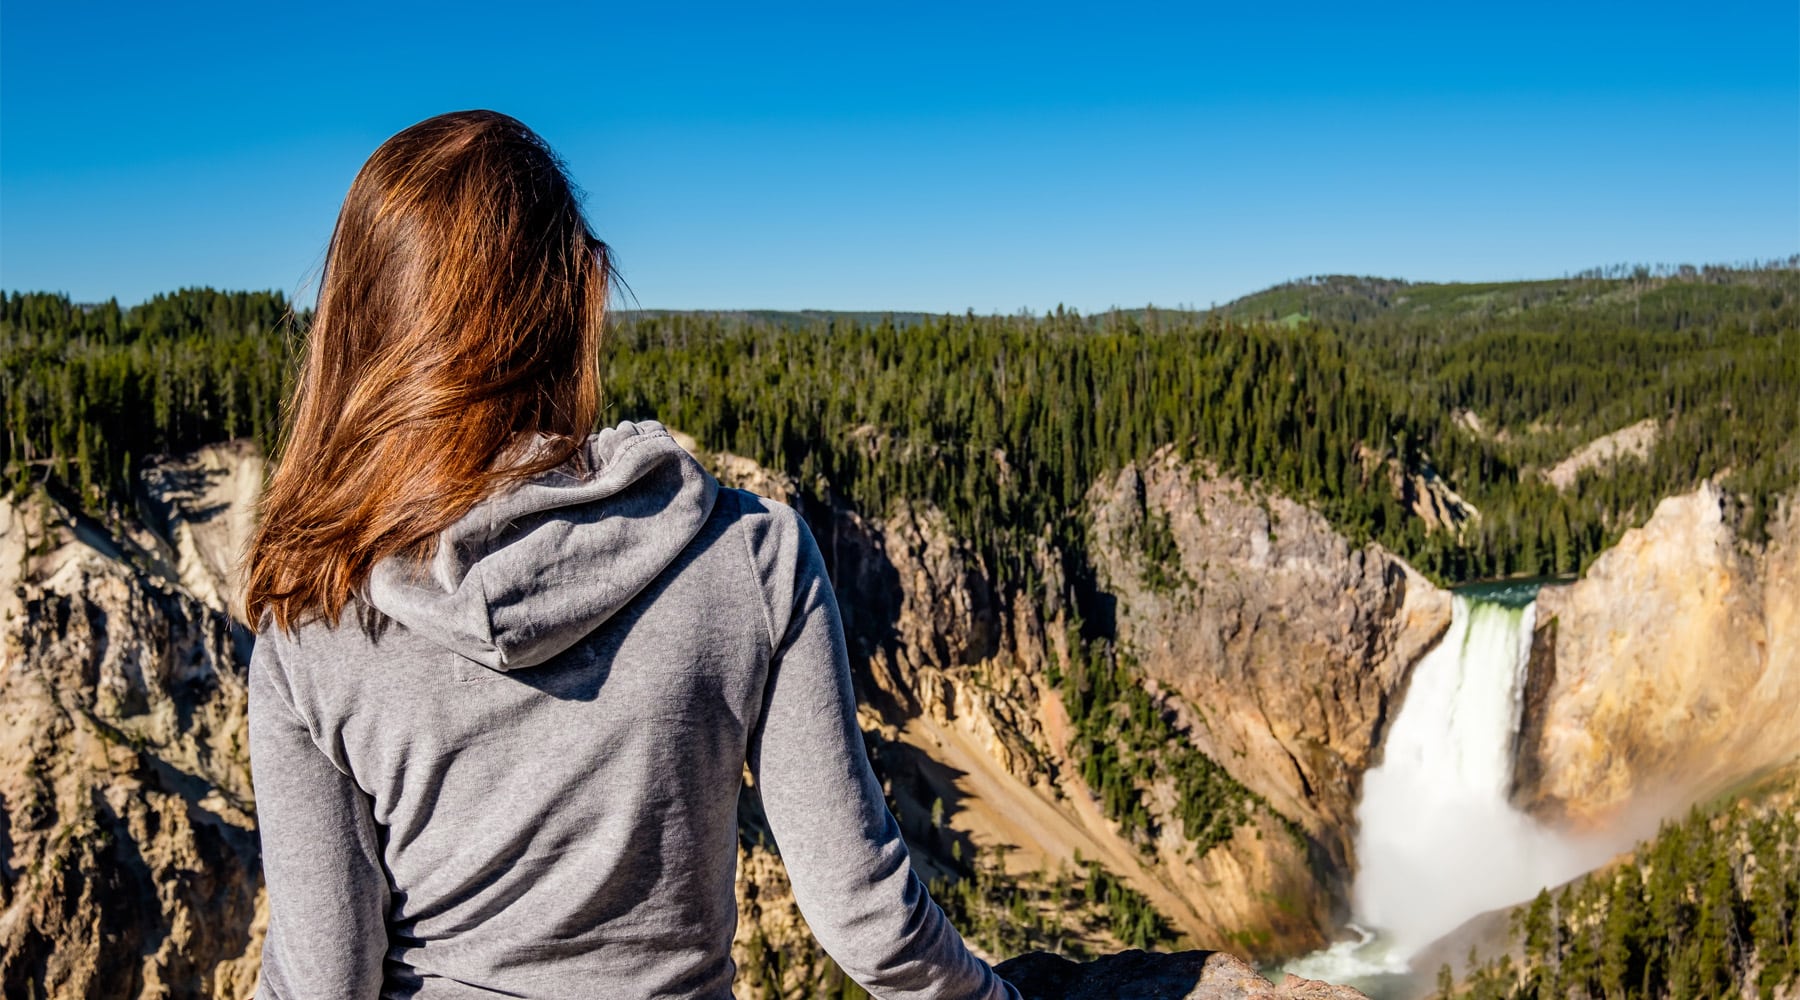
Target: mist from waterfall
[{"x": 1438, "y": 842}]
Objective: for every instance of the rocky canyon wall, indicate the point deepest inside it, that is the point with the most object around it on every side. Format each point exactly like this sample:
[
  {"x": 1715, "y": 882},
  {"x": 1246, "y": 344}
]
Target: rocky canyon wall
[
  {"x": 1287, "y": 645},
  {"x": 1279, "y": 648},
  {"x": 1669, "y": 671},
  {"x": 128, "y": 855}
]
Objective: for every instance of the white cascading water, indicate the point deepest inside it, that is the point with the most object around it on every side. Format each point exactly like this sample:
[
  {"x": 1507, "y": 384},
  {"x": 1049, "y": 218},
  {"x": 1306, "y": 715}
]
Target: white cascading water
[{"x": 1438, "y": 842}]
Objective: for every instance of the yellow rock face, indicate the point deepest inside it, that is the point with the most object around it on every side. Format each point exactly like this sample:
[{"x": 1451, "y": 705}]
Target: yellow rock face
[{"x": 1672, "y": 668}]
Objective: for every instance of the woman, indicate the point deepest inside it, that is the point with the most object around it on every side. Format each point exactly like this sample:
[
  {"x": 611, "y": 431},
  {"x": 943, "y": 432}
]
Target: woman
[{"x": 508, "y": 671}]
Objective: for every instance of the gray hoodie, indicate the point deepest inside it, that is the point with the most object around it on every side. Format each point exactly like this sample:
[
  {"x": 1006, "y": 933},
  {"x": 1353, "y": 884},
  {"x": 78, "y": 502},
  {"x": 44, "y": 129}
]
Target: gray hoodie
[{"x": 524, "y": 781}]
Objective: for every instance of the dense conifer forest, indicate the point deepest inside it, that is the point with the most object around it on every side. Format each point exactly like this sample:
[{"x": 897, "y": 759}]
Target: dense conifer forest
[
  {"x": 1317, "y": 389},
  {"x": 1709, "y": 908},
  {"x": 91, "y": 390}
]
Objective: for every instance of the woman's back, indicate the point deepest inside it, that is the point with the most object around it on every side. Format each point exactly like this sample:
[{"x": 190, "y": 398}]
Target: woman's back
[
  {"x": 509, "y": 671},
  {"x": 522, "y": 780}
]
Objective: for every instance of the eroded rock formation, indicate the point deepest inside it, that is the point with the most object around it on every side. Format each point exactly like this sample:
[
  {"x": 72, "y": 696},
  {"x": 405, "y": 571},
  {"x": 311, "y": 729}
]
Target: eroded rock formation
[
  {"x": 1420, "y": 489},
  {"x": 1671, "y": 669},
  {"x": 1632, "y": 441},
  {"x": 202, "y": 511},
  {"x": 128, "y": 856},
  {"x": 1288, "y": 645}
]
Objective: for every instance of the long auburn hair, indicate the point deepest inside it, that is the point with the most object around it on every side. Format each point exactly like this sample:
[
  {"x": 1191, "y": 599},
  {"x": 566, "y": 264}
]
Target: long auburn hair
[{"x": 454, "y": 352}]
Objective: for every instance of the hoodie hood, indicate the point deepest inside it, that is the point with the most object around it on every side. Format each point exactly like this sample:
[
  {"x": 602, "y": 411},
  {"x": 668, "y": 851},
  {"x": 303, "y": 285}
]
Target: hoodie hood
[{"x": 527, "y": 573}]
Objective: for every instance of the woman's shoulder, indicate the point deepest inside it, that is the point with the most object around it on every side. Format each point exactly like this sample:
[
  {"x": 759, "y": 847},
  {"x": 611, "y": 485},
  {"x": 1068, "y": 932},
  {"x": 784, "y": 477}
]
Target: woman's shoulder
[
  {"x": 751, "y": 505},
  {"x": 317, "y": 650},
  {"x": 777, "y": 532},
  {"x": 783, "y": 556}
]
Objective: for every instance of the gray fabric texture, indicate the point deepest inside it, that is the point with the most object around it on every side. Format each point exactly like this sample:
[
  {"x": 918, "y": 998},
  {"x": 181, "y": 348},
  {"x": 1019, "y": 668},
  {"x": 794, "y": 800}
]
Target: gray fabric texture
[{"x": 523, "y": 782}]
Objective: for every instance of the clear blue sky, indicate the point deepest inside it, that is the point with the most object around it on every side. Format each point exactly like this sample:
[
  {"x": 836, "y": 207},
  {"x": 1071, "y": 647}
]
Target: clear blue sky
[{"x": 909, "y": 156}]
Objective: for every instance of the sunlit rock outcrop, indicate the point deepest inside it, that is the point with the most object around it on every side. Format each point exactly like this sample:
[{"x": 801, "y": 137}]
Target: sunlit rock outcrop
[
  {"x": 128, "y": 856},
  {"x": 1289, "y": 644},
  {"x": 202, "y": 510},
  {"x": 1631, "y": 441},
  {"x": 1671, "y": 669}
]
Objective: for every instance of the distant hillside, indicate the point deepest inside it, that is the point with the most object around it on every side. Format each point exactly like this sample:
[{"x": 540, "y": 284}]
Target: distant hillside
[
  {"x": 1702, "y": 365},
  {"x": 1348, "y": 299},
  {"x": 790, "y": 318}
]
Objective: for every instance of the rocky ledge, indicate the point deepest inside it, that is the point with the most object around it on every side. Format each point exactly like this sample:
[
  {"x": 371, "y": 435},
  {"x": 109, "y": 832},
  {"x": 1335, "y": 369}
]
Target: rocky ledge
[{"x": 1142, "y": 975}]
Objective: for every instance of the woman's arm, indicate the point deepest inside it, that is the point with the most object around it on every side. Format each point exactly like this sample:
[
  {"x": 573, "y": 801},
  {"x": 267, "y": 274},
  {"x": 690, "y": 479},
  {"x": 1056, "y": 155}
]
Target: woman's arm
[
  {"x": 850, "y": 869},
  {"x": 328, "y": 891}
]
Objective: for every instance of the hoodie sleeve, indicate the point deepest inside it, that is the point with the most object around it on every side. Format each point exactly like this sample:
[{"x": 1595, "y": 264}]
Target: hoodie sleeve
[
  {"x": 328, "y": 891},
  {"x": 850, "y": 869}
]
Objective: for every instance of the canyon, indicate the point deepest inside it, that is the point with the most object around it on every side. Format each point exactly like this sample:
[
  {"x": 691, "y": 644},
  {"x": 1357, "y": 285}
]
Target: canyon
[{"x": 1279, "y": 649}]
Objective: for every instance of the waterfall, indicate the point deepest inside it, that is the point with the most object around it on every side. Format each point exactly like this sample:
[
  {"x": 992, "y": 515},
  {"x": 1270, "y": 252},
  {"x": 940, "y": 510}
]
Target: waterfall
[{"x": 1437, "y": 840}]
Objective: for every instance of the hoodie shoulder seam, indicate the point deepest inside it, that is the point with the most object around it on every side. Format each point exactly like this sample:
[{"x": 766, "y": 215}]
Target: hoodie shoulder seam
[
  {"x": 737, "y": 498},
  {"x": 281, "y": 684}
]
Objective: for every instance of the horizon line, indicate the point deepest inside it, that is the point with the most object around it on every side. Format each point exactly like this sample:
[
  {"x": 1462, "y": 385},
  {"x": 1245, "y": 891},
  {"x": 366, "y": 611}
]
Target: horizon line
[{"x": 1610, "y": 272}]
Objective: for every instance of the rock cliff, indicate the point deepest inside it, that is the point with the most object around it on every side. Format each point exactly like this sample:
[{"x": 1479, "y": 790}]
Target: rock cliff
[
  {"x": 1669, "y": 671},
  {"x": 201, "y": 509},
  {"x": 128, "y": 856},
  {"x": 1287, "y": 645}
]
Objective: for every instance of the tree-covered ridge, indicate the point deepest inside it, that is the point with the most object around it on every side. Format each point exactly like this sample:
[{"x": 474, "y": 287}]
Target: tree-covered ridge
[
  {"x": 782, "y": 317},
  {"x": 1710, "y": 354},
  {"x": 1004, "y": 421},
  {"x": 88, "y": 390},
  {"x": 1706, "y": 909},
  {"x": 1344, "y": 300}
]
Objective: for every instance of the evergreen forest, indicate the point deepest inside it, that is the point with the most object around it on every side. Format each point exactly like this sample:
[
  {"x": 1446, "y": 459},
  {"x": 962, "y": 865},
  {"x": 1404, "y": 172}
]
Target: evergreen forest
[
  {"x": 1709, "y": 908},
  {"x": 1326, "y": 390}
]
